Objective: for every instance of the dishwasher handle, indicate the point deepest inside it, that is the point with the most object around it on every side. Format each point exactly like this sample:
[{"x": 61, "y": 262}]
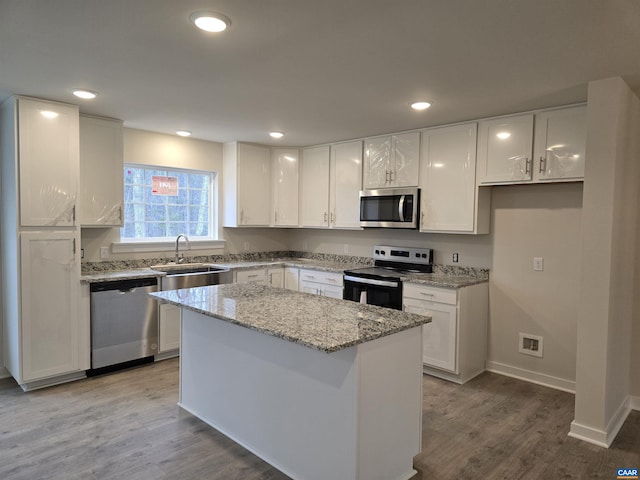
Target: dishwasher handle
[{"x": 124, "y": 286}]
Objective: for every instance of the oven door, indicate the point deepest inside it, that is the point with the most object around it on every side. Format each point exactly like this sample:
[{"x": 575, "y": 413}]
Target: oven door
[{"x": 383, "y": 293}]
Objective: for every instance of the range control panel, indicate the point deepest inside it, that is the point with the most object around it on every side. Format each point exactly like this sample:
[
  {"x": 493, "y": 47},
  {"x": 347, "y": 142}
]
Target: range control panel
[{"x": 423, "y": 256}]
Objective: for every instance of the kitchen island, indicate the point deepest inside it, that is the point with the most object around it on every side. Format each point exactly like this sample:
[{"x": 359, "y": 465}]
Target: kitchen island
[{"x": 318, "y": 387}]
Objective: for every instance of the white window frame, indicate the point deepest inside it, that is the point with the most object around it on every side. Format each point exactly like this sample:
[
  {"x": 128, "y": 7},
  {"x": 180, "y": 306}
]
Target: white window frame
[{"x": 160, "y": 244}]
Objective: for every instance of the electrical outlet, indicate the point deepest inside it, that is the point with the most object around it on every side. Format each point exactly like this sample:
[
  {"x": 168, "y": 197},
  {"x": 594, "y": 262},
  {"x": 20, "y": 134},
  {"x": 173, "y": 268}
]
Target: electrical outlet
[
  {"x": 346, "y": 248},
  {"x": 304, "y": 245},
  {"x": 530, "y": 344},
  {"x": 538, "y": 264},
  {"x": 455, "y": 258},
  {"x": 104, "y": 252},
  {"x": 246, "y": 246},
  {"x": 82, "y": 253}
]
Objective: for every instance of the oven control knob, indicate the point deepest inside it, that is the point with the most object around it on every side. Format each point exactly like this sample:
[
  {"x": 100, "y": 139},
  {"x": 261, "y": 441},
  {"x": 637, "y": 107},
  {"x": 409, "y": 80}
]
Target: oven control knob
[
  {"x": 377, "y": 252},
  {"x": 424, "y": 255},
  {"x": 382, "y": 252}
]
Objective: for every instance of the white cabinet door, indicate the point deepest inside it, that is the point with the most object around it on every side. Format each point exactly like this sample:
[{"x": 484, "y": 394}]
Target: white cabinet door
[
  {"x": 49, "y": 160},
  {"x": 391, "y": 161},
  {"x": 291, "y": 278},
  {"x": 331, "y": 291},
  {"x": 285, "y": 187},
  {"x": 309, "y": 287},
  {"x": 276, "y": 277},
  {"x": 448, "y": 179},
  {"x": 559, "y": 145},
  {"x": 101, "y": 172},
  {"x": 345, "y": 185},
  {"x": 246, "y": 185},
  {"x": 258, "y": 276},
  {"x": 505, "y": 150},
  {"x": 439, "y": 336},
  {"x": 169, "y": 327},
  {"x": 377, "y": 155},
  {"x": 50, "y": 283},
  {"x": 314, "y": 197},
  {"x": 405, "y": 159},
  {"x": 254, "y": 187}
]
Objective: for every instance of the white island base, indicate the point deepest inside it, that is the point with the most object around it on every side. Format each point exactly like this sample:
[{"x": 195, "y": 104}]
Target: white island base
[{"x": 352, "y": 414}]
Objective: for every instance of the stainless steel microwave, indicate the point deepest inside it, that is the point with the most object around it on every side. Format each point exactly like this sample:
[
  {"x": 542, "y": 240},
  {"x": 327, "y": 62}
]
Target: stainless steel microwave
[{"x": 389, "y": 208}]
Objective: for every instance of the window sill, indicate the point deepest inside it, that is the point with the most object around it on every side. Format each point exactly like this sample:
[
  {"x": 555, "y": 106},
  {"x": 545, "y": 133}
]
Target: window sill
[{"x": 164, "y": 245}]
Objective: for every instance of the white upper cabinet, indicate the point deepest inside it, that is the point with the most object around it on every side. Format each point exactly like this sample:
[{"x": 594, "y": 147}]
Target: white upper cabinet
[
  {"x": 330, "y": 183},
  {"x": 101, "y": 174},
  {"x": 285, "y": 187},
  {"x": 508, "y": 151},
  {"x": 345, "y": 185},
  {"x": 314, "y": 185},
  {"x": 560, "y": 144},
  {"x": 391, "y": 161},
  {"x": 48, "y": 157},
  {"x": 450, "y": 200},
  {"x": 247, "y": 185},
  {"x": 505, "y": 150}
]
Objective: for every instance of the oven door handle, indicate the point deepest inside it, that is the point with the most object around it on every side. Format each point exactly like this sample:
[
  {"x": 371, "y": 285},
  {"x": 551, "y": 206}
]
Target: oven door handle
[{"x": 371, "y": 281}]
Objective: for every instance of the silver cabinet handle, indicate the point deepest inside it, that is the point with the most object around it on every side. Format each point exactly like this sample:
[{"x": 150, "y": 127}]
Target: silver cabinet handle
[
  {"x": 333, "y": 218},
  {"x": 120, "y": 214},
  {"x": 422, "y": 219},
  {"x": 543, "y": 164},
  {"x": 73, "y": 213},
  {"x": 325, "y": 217},
  {"x": 527, "y": 166}
]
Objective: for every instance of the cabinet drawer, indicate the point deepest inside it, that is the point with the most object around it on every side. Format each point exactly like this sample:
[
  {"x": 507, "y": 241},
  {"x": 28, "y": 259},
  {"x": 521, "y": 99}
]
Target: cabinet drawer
[
  {"x": 328, "y": 278},
  {"x": 251, "y": 276},
  {"x": 431, "y": 294}
]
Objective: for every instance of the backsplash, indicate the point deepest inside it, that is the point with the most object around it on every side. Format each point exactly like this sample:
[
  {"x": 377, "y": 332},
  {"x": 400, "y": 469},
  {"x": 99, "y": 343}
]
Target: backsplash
[{"x": 111, "y": 266}]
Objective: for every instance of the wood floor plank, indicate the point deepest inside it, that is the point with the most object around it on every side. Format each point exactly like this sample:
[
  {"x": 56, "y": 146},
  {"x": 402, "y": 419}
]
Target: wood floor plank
[{"x": 128, "y": 425}]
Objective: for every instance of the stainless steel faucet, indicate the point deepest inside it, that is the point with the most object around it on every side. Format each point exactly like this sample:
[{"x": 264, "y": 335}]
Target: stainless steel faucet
[{"x": 186, "y": 239}]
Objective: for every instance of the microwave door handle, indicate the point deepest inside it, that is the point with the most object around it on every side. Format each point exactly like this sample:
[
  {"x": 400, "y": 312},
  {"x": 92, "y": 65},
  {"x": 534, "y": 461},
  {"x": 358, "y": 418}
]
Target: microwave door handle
[{"x": 401, "y": 208}]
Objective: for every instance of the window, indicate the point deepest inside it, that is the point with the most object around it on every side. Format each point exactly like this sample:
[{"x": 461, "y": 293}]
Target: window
[{"x": 161, "y": 203}]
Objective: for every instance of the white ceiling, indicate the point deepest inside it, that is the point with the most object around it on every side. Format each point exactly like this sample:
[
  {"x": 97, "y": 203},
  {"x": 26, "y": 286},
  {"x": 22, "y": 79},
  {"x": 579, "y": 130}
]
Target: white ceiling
[{"x": 320, "y": 70}]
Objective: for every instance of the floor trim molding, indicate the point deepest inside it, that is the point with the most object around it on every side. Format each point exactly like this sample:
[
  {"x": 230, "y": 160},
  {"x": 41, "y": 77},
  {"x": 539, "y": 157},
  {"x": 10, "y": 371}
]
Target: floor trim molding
[
  {"x": 634, "y": 403},
  {"x": 533, "y": 377},
  {"x": 604, "y": 438},
  {"x": 4, "y": 373}
]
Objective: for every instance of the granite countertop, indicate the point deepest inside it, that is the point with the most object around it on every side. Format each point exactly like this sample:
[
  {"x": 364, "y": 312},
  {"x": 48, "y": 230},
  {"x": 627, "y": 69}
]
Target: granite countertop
[
  {"x": 322, "y": 323},
  {"x": 120, "y": 275},
  {"x": 312, "y": 264},
  {"x": 441, "y": 278}
]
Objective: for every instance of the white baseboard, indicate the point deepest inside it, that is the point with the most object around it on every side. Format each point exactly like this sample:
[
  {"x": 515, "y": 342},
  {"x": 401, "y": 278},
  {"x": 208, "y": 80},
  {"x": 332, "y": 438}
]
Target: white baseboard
[
  {"x": 4, "y": 373},
  {"x": 604, "y": 438},
  {"x": 533, "y": 377}
]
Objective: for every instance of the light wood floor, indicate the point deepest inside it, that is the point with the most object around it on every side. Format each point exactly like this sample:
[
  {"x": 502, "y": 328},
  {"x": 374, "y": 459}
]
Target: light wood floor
[{"x": 126, "y": 425}]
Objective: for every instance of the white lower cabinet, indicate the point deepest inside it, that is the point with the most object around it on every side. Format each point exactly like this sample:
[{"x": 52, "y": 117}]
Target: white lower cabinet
[
  {"x": 257, "y": 275},
  {"x": 327, "y": 284},
  {"x": 49, "y": 336},
  {"x": 169, "y": 323},
  {"x": 275, "y": 277},
  {"x": 455, "y": 342},
  {"x": 291, "y": 276}
]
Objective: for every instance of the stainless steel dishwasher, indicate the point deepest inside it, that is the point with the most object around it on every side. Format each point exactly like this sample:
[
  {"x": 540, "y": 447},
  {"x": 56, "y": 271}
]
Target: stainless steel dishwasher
[{"x": 124, "y": 324}]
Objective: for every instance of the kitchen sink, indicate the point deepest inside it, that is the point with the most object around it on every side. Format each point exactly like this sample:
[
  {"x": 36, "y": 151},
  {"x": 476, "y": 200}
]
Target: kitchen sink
[{"x": 188, "y": 275}]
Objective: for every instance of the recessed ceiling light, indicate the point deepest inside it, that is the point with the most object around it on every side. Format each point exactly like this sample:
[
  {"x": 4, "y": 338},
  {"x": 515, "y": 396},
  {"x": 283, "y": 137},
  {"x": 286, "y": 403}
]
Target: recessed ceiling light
[
  {"x": 183, "y": 133},
  {"x": 210, "y": 21},
  {"x": 422, "y": 105},
  {"x": 276, "y": 134},
  {"x": 85, "y": 94}
]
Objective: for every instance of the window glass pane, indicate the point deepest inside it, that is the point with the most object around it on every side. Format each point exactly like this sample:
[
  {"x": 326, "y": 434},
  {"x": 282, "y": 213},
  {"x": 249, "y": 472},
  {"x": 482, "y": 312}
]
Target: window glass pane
[{"x": 166, "y": 216}]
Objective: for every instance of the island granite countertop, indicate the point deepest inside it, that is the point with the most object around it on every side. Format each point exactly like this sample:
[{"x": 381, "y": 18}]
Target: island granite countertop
[{"x": 322, "y": 323}]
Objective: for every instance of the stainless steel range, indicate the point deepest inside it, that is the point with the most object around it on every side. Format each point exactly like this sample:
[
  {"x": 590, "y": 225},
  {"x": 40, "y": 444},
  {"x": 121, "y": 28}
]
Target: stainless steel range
[{"x": 382, "y": 284}]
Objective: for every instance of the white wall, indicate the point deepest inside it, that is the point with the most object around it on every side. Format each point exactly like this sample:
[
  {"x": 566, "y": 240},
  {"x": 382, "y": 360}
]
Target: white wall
[
  {"x": 473, "y": 250},
  {"x": 149, "y": 148},
  {"x": 610, "y": 204},
  {"x": 530, "y": 221}
]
